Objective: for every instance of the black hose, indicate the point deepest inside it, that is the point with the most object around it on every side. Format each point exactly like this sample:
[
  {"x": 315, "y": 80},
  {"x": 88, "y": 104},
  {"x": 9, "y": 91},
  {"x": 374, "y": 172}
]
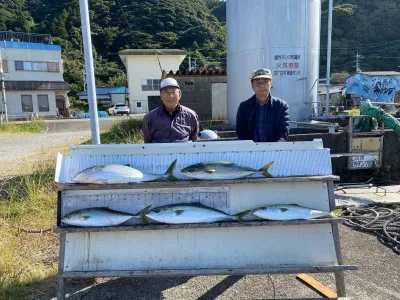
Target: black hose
[{"x": 382, "y": 221}]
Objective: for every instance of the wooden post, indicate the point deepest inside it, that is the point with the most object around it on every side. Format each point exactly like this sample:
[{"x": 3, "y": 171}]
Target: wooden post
[
  {"x": 60, "y": 278},
  {"x": 339, "y": 275}
]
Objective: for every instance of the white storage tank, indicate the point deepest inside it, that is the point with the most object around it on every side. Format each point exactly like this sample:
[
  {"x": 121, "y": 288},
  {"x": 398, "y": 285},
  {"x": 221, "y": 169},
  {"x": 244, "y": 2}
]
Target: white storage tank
[{"x": 281, "y": 35}]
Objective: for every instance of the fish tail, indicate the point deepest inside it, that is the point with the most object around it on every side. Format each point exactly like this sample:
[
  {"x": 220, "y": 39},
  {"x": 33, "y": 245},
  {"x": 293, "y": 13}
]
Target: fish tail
[
  {"x": 239, "y": 216},
  {"x": 170, "y": 171},
  {"x": 264, "y": 170},
  {"x": 142, "y": 214}
]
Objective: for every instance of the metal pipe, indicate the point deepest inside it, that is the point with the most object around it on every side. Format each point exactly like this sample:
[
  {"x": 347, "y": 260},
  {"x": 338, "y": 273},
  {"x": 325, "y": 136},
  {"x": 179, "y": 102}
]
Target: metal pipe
[
  {"x": 87, "y": 47},
  {"x": 3, "y": 93},
  {"x": 328, "y": 59}
]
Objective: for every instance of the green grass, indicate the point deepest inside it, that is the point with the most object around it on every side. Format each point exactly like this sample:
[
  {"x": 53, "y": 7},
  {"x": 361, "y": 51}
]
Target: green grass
[
  {"x": 28, "y": 261},
  {"x": 34, "y": 126},
  {"x": 27, "y": 203},
  {"x": 127, "y": 131}
]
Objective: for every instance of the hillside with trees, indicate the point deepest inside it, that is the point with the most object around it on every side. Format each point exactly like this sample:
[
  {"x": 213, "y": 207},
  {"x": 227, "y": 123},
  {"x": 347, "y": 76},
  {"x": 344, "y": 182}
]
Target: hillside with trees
[{"x": 366, "y": 27}]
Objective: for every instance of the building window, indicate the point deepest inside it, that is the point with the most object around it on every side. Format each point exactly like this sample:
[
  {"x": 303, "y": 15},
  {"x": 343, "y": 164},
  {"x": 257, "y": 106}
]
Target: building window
[
  {"x": 151, "y": 84},
  {"x": 43, "y": 102},
  {"x": 37, "y": 66},
  {"x": 138, "y": 104},
  {"x": 19, "y": 65},
  {"x": 4, "y": 65},
  {"x": 189, "y": 86},
  {"x": 27, "y": 104}
]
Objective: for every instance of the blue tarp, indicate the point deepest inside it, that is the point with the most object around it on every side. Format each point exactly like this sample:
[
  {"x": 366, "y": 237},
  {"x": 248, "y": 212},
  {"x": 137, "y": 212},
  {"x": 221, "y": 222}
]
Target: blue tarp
[
  {"x": 375, "y": 88},
  {"x": 101, "y": 114}
]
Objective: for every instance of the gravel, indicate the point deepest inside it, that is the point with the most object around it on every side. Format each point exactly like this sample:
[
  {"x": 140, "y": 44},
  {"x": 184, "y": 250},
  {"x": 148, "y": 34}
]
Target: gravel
[{"x": 15, "y": 148}]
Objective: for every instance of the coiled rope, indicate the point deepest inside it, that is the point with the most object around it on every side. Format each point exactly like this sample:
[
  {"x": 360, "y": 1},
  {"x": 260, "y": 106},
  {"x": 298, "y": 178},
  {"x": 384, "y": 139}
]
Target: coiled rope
[{"x": 382, "y": 221}]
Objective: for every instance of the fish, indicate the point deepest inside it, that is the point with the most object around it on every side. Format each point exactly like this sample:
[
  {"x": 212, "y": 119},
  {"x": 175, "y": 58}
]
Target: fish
[
  {"x": 188, "y": 213},
  {"x": 113, "y": 173},
  {"x": 288, "y": 212},
  {"x": 217, "y": 170},
  {"x": 96, "y": 217}
]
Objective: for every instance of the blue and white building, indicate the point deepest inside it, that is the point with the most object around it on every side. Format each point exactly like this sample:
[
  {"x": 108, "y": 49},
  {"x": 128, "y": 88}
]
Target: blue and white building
[
  {"x": 33, "y": 72},
  {"x": 111, "y": 94}
]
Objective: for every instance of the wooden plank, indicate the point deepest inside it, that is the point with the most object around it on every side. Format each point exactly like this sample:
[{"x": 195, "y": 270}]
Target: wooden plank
[
  {"x": 339, "y": 275},
  {"x": 200, "y": 225},
  {"x": 331, "y": 196},
  {"x": 198, "y": 147},
  {"x": 194, "y": 183},
  {"x": 197, "y": 248},
  {"x": 60, "y": 275},
  {"x": 316, "y": 285},
  {"x": 201, "y": 272}
]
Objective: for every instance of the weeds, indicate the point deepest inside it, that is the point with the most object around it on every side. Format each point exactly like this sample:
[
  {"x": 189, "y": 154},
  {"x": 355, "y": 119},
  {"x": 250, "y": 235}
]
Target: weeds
[
  {"x": 34, "y": 126},
  {"x": 27, "y": 201},
  {"x": 127, "y": 131}
]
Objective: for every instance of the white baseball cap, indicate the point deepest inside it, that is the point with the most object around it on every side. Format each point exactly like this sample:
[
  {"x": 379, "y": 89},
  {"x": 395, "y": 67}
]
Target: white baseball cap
[{"x": 169, "y": 82}]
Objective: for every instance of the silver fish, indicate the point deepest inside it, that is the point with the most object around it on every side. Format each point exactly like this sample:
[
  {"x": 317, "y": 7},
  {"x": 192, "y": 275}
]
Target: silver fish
[
  {"x": 217, "y": 170},
  {"x": 96, "y": 217},
  {"x": 288, "y": 212},
  {"x": 189, "y": 213},
  {"x": 112, "y": 173}
]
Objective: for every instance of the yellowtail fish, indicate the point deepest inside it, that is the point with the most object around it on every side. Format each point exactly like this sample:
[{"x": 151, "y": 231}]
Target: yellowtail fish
[
  {"x": 219, "y": 170},
  {"x": 189, "y": 213},
  {"x": 288, "y": 212},
  {"x": 96, "y": 217},
  {"x": 113, "y": 174}
]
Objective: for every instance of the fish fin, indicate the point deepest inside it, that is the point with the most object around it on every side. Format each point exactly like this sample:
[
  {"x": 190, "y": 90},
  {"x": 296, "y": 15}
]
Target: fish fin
[
  {"x": 264, "y": 170},
  {"x": 210, "y": 171},
  {"x": 142, "y": 214},
  {"x": 179, "y": 212},
  {"x": 240, "y": 215},
  {"x": 170, "y": 172}
]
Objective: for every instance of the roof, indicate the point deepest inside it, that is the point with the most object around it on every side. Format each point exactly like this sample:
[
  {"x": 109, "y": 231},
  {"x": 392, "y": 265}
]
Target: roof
[
  {"x": 25, "y": 45},
  {"x": 152, "y": 52},
  {"x": 21, "y": 85},
  {"x": 380, "y": 73},
  {"x": 106, "y": 90}
]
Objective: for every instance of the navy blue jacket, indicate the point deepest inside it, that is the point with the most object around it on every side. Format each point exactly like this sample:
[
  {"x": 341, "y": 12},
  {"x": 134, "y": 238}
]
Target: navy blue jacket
[{"x": 277, "y": 119}]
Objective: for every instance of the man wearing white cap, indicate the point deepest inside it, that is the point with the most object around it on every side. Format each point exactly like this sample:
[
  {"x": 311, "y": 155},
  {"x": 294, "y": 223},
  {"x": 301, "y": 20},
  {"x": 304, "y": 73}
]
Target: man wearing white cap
[
  {"x": 171, "y": 122},
  {"x": 262, "y": 118}
]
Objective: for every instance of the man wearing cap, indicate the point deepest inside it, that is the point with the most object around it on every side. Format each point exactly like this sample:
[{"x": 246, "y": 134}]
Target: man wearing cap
[
  {"x": 171, "y": 122},
  {"x": 262, "y": 118}
]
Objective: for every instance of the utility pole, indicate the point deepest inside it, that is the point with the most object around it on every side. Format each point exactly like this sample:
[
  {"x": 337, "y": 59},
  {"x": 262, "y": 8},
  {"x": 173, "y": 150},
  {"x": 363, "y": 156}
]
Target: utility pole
[
  {"x": 3, "y": 91},
  {"x": 190, "y": 63},
  {"x": 358, "y": 59},
  {"x": 328, "y": 59},
  {"x": 89, "y": 67}
]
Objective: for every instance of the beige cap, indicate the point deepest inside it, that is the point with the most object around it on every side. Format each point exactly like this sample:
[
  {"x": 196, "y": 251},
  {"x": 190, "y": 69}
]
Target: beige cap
[{"x": 261, "y": 73}]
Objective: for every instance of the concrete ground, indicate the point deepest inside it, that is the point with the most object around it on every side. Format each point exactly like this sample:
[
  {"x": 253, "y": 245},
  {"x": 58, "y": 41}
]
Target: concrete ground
[{"x": 378, "y": 276}]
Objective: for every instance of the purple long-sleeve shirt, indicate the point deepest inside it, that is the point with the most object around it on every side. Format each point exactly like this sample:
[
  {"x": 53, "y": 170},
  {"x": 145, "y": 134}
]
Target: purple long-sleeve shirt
[{"x": 160, "y": 126}]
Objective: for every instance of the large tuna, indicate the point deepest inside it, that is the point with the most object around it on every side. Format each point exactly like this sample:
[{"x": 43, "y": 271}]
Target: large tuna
[
  {"x": 112, "y": 173},
  {"x": 219, "y": 170}
]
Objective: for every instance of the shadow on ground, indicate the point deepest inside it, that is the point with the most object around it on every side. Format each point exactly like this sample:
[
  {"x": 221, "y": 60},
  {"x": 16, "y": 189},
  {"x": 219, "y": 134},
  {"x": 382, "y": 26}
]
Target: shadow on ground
[{"x": 134, "y": 288}]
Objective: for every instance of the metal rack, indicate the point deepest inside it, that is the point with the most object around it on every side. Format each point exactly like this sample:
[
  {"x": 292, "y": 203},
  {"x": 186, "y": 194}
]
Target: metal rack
[{"x": 365, "y": 148}]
